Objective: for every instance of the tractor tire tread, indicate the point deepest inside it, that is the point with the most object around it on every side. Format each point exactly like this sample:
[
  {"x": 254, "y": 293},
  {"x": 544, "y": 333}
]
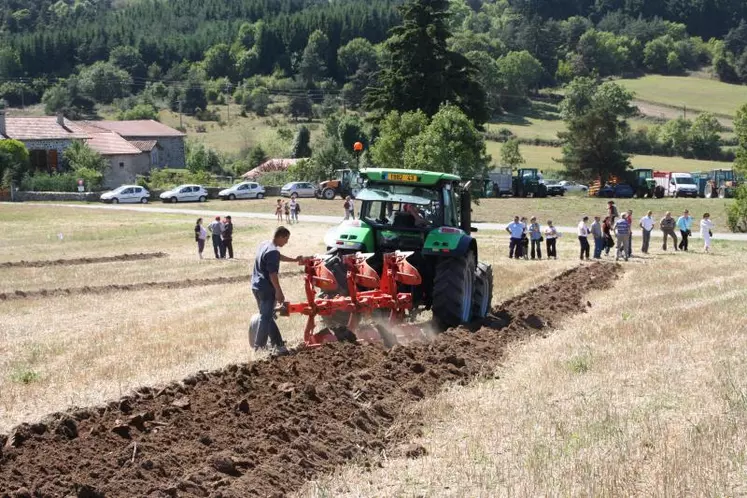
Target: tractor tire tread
[
  {"x": 448, "y": 289},
  {"x": 483, "y": 285}
]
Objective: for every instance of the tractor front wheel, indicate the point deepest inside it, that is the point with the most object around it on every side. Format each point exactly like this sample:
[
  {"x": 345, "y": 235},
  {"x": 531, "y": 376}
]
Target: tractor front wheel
[
  {"x": 328, "y": 194},
  {"x": 483, "y": 295},
  {"x": 452, "y": 290}
]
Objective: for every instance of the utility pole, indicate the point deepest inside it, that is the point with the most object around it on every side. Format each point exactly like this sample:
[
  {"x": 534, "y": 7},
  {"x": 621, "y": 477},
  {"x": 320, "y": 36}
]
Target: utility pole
[
  {"x": 684, "y": 108},
  {"x": 228, "y": 103}
]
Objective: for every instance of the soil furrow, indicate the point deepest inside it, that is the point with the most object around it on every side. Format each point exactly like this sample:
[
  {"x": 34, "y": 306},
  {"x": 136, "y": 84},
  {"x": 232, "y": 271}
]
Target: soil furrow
[
  {"x": 263, "y": 429},
  {"x": 103, "y": 289},
  {"x": 84, "y": 261}
]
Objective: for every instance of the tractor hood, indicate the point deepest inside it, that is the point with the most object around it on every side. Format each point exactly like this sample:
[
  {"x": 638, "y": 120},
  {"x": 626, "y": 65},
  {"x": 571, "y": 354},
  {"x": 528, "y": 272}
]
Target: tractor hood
[{"x": 350, "y": 234}]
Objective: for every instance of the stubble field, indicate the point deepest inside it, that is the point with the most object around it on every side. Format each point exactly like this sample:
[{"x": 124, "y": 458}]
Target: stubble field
[{"x": 643, "y": 394}]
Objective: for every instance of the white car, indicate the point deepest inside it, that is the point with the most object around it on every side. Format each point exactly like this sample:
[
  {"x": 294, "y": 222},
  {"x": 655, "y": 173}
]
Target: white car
[
  {"x": 571, "y": 186},
  {"x": 301, "y": 189},
  {"x": 244, "y": 190},
  {"x": 126, "y": 193},
  {"x": 185, "y": 193}
]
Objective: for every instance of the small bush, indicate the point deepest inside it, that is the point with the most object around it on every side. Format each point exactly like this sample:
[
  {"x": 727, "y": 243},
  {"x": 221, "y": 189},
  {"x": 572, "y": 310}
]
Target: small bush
[
  {"x": 24, "y": 376},
  {"x": 737, "y": 213},
  {"x": 42, "y": 182}
]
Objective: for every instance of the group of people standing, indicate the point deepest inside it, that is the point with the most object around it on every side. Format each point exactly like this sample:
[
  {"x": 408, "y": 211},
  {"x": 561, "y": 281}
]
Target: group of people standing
[
  {"x": 614, "y": 231},
  {"x": 622, "y": 227},
  {"x": 523, "y": 235},
  {"x": 221, "y": 231},
  {"x": 290, "y": 209}
]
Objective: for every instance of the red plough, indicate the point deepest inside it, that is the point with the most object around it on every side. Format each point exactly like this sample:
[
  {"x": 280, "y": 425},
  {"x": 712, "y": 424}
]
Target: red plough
[{"x": 380, "y": 293}]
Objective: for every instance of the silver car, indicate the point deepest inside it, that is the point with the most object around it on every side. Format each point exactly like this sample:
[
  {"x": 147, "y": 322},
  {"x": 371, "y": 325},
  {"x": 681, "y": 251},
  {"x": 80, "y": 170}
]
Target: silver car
[
  {"x": 126, "y": 193},
  {"x": 300, "y": 189},
  {"x": 185, "y": 193},
  {"x": 244, "y": 190}
]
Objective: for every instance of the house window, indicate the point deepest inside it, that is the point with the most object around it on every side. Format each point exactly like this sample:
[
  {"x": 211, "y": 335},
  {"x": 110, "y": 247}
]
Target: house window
[
  {"x": 121, "y": 165},
  {"x": 38, "y": 159}
]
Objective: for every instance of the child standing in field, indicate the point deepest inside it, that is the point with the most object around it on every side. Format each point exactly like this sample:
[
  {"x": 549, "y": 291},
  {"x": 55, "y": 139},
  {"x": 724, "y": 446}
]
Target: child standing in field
[
  {"x": 200, "y": 236},
  {"x": 295, "y": 208},
  {"x": 705, "y": 231},
  {"x": 287, "y": 211},
  {"x": 279, "y": 211},
  {"x": 525, "y": 238}
]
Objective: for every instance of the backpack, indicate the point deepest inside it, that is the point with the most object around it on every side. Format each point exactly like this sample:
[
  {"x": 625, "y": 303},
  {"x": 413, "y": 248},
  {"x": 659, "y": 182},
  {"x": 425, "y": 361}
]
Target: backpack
[{"x": 346, "y": 206}]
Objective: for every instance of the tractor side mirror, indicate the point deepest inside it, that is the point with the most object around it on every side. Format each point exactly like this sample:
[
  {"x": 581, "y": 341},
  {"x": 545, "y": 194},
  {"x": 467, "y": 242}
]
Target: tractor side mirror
[{"x": 472, "y": 229}]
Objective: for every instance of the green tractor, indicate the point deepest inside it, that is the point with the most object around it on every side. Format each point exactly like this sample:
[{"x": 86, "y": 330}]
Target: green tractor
[
  {"x": 528, "y": 181},
  {"x": 643, "y": 183},
  {"x": 427, "y": 214}
]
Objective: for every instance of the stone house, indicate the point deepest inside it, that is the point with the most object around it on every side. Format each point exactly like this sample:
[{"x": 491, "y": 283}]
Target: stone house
[{"x": 144, "y": 145}]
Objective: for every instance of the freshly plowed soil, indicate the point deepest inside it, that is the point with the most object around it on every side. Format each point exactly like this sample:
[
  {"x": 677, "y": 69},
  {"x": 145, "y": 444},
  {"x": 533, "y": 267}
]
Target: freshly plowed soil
[
  {"x": 263, "y": 429},
  {"x": 84, "y": 261},
  {"x": 103, "y": 289}
]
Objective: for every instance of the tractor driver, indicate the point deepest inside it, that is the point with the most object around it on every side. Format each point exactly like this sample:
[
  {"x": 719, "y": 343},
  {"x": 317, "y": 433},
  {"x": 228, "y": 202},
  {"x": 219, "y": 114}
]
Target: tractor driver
[
  {"x": 267, "y": 291},
  {"x": 412, "y": 210}
]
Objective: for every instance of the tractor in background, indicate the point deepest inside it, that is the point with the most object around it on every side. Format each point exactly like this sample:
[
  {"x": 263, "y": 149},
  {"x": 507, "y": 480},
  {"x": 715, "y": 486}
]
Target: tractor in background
[
  {"x": 528, "y": 181},
  {"x": 346, "y": 182},
  {"x": 721, "y": 183}
]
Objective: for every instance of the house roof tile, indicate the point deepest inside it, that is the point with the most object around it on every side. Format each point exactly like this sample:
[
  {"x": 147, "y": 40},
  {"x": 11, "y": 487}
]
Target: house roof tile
[
  {"x": 41, "y": 128},
  {"x": 137, "y": 128},
  {"x": 110, "y": 144},
  {"x": 144, "y": 145}
]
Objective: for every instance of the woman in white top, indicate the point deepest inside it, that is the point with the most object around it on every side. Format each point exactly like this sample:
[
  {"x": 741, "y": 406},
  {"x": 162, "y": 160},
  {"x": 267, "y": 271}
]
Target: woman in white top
[
  {"x": 705, "y": 231},
  {"x": 200, "y": 236}
]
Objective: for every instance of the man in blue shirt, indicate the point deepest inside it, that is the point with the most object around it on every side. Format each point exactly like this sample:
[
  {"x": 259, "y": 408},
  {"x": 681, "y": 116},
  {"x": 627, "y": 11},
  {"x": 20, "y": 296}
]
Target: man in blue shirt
[
  {"x": 267, "y": 290},
  {"x": 684, "y": 224},
  {"x": 516, "y": 229}
]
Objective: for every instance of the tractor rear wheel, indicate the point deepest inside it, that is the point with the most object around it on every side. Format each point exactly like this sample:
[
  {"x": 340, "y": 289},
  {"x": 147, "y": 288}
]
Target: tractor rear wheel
[
  {"x": 483, "y": 295},
  {"x": 452, "y": 290}
]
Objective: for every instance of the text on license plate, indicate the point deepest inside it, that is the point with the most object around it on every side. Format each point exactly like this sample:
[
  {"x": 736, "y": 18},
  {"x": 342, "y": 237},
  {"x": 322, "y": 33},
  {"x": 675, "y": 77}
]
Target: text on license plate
[{"x": 399, "y": 177}]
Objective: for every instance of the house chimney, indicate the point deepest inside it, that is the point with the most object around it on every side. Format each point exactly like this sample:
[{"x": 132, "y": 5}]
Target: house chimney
[
  {"x": 2, "y": 119},
  {"x": 61, "y": 119}
]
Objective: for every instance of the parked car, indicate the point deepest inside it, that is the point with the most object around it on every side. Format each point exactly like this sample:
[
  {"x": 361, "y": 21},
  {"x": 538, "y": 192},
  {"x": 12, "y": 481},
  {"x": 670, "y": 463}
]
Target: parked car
[
  {"x": 185, "y": 193},
  {"x": 571, "y": 186},
  {"x": 621, "y": 190},
  {"x": 126, "y": 193},
  {"x": 554, "y": 188},
  {"x": 301, "y": 189},
  {"x": 244, "y": 190}
]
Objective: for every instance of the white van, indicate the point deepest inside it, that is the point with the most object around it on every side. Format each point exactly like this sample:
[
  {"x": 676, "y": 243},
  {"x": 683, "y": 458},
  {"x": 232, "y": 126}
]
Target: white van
[{"x": 676, "y": 184}]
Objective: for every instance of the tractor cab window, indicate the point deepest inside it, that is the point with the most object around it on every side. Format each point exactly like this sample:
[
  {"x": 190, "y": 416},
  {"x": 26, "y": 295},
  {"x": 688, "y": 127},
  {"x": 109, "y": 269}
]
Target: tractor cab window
[
  {"x": 400, "y": 206},
  {"x": 451, "y": 205}
]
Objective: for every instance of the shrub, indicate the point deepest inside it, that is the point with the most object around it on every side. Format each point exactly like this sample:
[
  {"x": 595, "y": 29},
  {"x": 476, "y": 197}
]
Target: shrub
[
  {"x": 737, "y": 213},
  {"x": 42, "y": 182}
]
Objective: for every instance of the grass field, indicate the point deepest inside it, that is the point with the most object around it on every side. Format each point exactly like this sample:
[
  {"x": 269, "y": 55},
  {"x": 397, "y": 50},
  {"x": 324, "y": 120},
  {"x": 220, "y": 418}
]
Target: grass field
[
  {"x": 643, "y": 395},
  {"x": 698, "y": 94}
]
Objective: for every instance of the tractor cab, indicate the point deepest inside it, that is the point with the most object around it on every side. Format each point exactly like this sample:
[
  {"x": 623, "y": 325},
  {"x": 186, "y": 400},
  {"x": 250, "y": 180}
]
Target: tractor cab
[
  {"x": 529, "y": 181},
  {"x": 643, "y": 183}
]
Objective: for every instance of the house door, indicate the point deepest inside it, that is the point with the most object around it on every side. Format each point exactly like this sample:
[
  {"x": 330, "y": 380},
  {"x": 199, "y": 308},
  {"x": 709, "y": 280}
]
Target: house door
[{"x": 52, "y": 160}]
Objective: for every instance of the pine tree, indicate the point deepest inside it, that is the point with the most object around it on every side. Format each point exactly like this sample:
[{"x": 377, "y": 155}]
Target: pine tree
[{"x": 420, "y": 72}]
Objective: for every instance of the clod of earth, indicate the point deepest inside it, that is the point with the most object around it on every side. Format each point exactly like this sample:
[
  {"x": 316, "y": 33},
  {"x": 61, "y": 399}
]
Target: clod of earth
[{"x": 310, "y": 412}]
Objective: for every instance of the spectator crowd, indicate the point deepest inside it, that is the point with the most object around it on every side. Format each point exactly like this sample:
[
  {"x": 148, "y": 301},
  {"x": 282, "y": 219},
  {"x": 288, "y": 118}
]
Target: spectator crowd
[{"x": 614, "y": 231}]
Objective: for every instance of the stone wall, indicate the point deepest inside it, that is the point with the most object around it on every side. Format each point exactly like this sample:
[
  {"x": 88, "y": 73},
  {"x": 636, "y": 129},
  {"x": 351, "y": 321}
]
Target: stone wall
[
  {"x": 171, "y": 153},
  {"x": 57, "y": 144},
  {"x": 123, "y": 169},
  {"x": 22, "y": 196}
]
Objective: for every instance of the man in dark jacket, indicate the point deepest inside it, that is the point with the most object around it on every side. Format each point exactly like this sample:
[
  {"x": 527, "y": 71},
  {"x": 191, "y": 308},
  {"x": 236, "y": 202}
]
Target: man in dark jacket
[
  {"x": 267, "y": 290},
  {"x": 227, "y": 237}
]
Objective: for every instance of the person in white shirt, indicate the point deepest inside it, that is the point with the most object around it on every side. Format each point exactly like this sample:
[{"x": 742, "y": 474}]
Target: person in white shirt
[
  {"x": 646, "y": 224},
  {"x": 516, "y": 230},
  {"x": 705, "y": 231},
  {"x": 583, "y": 237},
  {"x": 200, "y": 236}
]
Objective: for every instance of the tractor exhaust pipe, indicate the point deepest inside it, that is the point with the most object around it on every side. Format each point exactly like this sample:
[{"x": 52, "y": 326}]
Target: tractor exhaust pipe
[{"x": 465, "y": 208}]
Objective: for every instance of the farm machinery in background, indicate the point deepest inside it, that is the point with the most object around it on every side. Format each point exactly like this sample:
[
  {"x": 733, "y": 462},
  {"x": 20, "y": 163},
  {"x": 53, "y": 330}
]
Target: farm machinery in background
[
  {"x": 526, "y": 182},
  {"x": 675, "y": 184},
  {"x": 719, "y": 183},
  {"x": 410, "y": 250},
  {"x": 345, "y": 183},
  {"x": 635, "y": 183}
]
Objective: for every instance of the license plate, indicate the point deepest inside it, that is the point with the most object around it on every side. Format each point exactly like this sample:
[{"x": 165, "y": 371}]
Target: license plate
[{"x": 398, "y": 177}]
